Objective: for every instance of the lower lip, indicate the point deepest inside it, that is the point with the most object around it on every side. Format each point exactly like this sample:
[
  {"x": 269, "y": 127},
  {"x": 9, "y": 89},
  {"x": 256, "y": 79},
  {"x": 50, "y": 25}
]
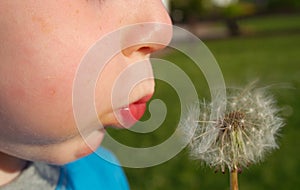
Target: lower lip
[{"x": 134, "y": 112}]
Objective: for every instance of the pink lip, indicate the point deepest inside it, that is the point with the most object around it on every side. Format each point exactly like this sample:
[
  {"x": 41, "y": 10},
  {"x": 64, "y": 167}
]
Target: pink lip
[{"x": 134, "y": 112}]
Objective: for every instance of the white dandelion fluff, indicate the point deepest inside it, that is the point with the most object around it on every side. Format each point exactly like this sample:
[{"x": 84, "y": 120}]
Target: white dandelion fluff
[{"x": 240, "y": 136}]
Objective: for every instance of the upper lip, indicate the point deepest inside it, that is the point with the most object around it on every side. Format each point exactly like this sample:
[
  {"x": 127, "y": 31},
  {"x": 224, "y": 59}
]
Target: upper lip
[{"x": 143, "y": 99}]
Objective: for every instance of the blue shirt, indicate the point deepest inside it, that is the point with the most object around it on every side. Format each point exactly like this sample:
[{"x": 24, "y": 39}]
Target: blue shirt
[{"x": 93, "y": 172}]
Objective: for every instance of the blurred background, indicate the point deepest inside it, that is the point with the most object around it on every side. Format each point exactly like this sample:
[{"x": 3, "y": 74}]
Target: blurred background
[{"x": 251, "y": 39}]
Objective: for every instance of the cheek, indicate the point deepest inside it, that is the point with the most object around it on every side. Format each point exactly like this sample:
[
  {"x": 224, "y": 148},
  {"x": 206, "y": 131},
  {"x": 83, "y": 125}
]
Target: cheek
[
  {"x": 36, "y": 92},
  {"x": 36, "y": 81},
  {"x": 39, "y": 109}
]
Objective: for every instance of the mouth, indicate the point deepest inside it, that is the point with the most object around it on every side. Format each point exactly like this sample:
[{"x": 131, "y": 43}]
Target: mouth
[{"x": 132, "y": 113}]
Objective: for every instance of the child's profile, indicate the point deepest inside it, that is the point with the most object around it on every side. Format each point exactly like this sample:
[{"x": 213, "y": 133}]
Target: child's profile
[{"x": 41, "y": 46}]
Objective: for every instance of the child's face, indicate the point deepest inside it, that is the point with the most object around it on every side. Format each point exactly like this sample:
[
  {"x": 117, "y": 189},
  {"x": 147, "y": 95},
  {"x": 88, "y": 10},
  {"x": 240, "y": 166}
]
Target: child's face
[{"x": 41, "y": 45}]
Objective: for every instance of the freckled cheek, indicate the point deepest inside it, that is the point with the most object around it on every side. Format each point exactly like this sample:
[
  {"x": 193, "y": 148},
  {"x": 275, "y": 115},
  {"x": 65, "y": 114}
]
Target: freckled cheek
[
  {"x": 43, "y": 109},
  {"x": 54, "y": 107}
]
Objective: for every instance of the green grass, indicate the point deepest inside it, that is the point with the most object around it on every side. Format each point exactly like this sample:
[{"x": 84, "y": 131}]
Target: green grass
[
  {"x": 275, "y": 61},
  {"x": 271, "y": 23}
]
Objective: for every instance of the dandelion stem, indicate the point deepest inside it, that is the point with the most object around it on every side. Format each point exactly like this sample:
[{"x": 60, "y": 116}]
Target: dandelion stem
[{"x": 234, "y": 179}]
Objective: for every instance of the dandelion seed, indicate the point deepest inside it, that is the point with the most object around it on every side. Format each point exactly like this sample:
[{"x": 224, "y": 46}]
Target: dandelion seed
[{"x": 240, "y": 136}]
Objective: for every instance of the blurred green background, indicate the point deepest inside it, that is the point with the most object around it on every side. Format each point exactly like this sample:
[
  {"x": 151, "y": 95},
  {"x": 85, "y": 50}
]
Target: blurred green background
[{"x": 267, "y": 48}]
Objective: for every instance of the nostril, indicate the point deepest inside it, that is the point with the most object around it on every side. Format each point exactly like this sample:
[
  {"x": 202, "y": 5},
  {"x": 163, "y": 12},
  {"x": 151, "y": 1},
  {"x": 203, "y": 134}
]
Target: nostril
[
  {"x": 145, "y": 50},
  {"x": 140, "y": 49}
]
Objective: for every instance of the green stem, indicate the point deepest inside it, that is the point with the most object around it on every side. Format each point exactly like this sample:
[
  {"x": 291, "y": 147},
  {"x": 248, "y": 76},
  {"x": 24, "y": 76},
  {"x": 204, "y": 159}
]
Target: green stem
[{"x": 234, "y": 179}]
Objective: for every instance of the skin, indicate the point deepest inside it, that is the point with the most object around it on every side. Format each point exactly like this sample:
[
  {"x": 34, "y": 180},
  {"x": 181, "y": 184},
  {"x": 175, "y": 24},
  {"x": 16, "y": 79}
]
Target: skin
[{"x": 41, "y": 46}]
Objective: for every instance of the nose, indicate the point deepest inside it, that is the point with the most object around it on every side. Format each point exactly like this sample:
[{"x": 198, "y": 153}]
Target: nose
[{"x": 152, "y": 32}]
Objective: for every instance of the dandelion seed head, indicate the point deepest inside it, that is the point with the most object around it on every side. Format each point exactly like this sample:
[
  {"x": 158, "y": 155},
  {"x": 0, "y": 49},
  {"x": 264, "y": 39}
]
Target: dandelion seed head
[{"x": 238, "y": 136}]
